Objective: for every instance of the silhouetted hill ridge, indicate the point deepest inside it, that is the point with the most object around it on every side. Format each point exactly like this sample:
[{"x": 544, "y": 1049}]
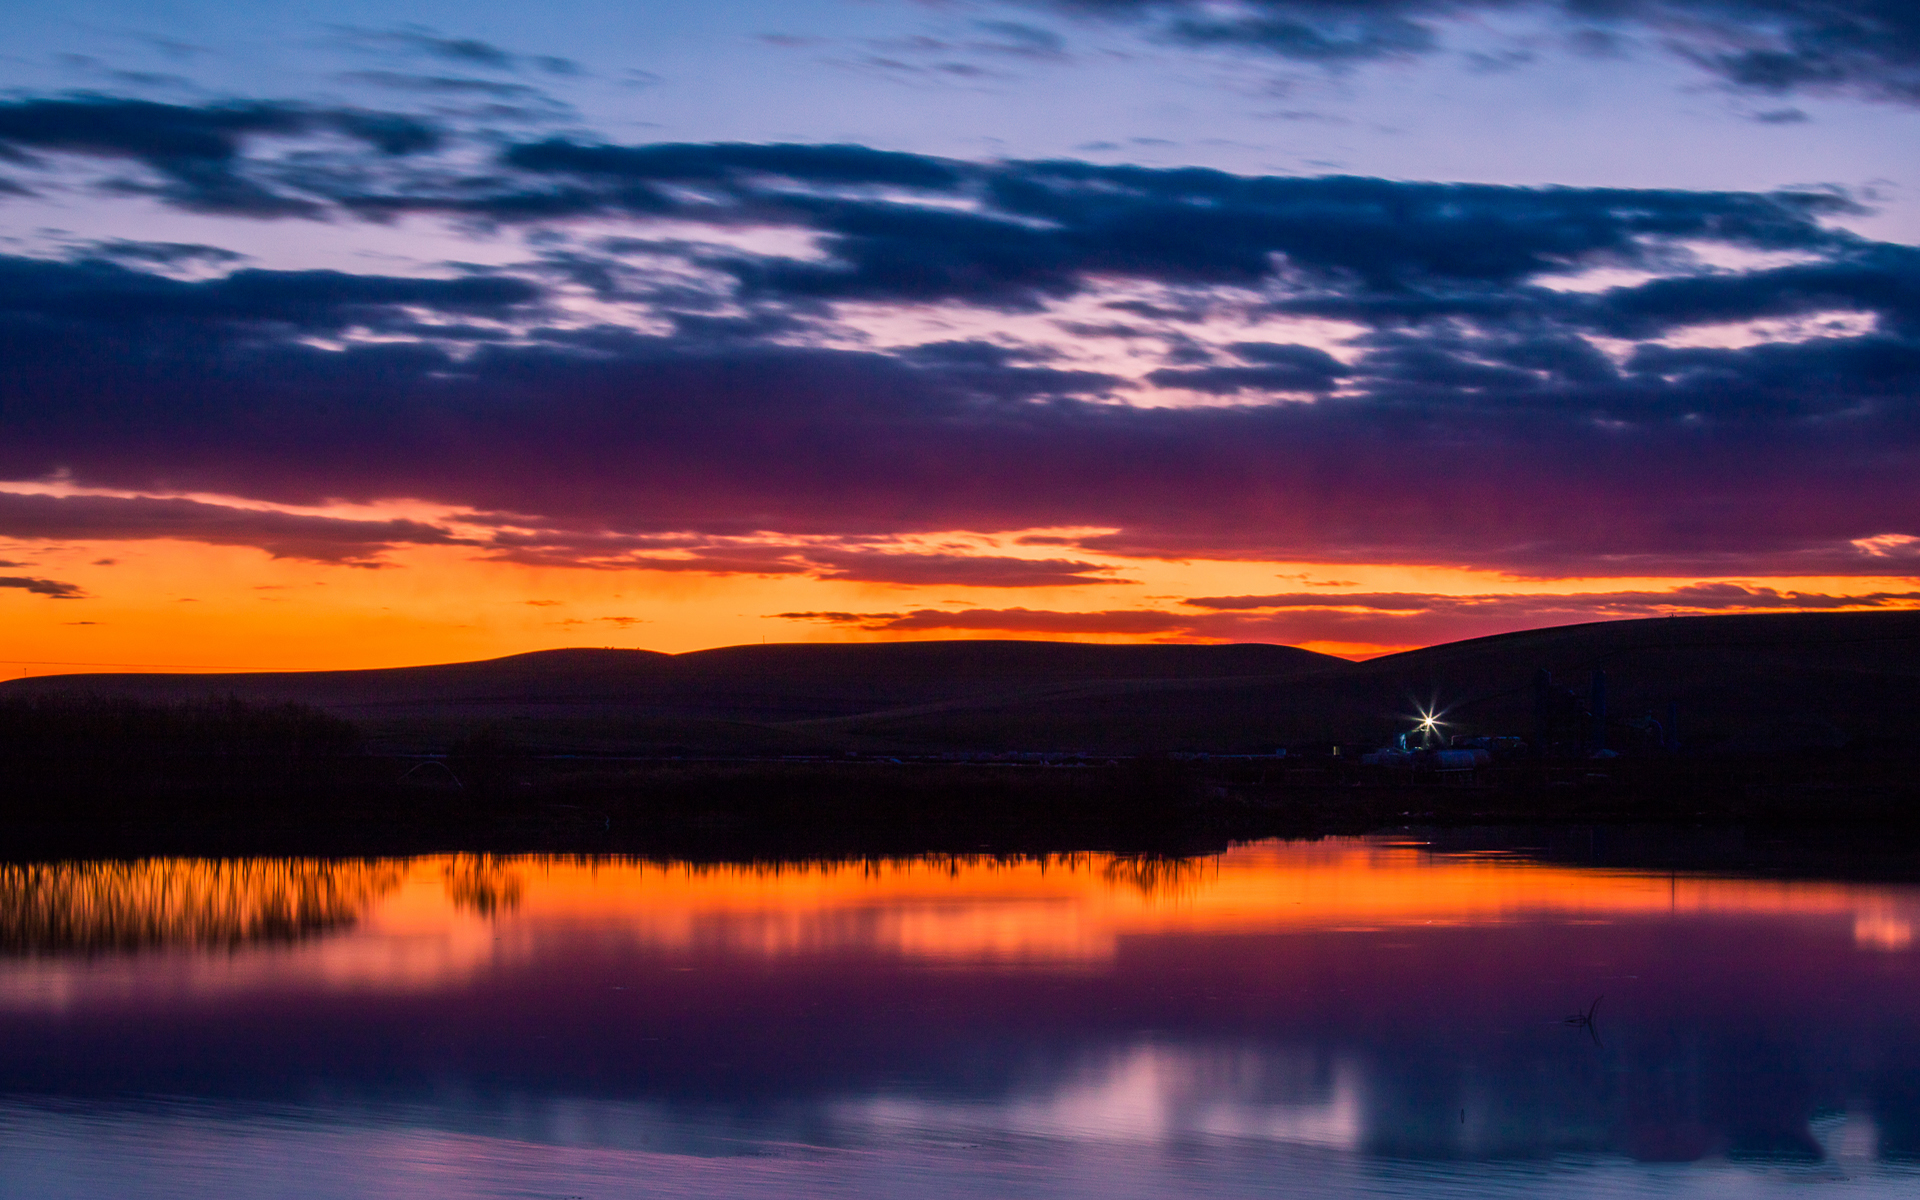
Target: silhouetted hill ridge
[
  {"x": 1758, "y": 680},
  {"x": 1766, "y": 681},
  {"x": 779, "y": 682}
]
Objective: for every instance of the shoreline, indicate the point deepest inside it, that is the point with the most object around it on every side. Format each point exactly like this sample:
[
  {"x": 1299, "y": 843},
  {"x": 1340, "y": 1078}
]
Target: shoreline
[{"x": 362, "y": 805}]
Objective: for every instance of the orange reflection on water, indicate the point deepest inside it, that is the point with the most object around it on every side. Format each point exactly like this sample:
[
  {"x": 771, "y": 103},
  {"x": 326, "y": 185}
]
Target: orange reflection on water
[
  {"x": 435, "y": 921},
  {"x": 1076, "y": 907},
  {"x": 175, "y": 901}
]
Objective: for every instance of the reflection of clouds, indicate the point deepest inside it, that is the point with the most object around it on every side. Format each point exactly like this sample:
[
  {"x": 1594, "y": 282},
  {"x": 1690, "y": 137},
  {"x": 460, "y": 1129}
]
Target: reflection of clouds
[
  {"x": 1153, "y": 1094},
  {"x": 1882, "y": 931},
  {"x": 538, "y": 1146},
  {"x": 1058, "y": 1006},
  {"x": 1850, "y": 1140},
  {"x": 1014, "y": 930}
]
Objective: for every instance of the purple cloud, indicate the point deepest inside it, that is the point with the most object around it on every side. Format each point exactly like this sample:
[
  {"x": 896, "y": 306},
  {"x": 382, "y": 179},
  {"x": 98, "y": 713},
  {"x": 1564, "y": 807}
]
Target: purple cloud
[
  {"x": 1866, "y": 47},
  {"x": 1479, "y": 418},
  {"x": 1389, "y": 618},
  {"x": 283, "y": 535},
  {"x": 51, "y": 588}
]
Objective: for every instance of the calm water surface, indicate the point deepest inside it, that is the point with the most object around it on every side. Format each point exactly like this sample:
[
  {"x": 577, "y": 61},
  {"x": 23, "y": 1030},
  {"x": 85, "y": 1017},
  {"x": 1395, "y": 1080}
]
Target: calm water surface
[{"x": 1356, "y": 1017}]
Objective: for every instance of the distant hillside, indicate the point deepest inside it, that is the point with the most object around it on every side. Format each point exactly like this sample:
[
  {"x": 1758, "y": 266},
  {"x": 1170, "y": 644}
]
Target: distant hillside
[
  {"x": 1738, "y": 682},
  {"x": 743, "y": 695}
]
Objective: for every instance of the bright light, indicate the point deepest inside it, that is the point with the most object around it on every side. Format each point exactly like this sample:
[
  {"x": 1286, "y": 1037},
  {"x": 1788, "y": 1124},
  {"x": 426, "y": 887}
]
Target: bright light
[{"x": 1429, "y": 723}]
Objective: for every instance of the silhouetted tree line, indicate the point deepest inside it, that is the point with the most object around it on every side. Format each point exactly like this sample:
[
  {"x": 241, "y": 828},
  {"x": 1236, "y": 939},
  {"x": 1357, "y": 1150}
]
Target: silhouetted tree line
[{"x": 89, "y": 732}]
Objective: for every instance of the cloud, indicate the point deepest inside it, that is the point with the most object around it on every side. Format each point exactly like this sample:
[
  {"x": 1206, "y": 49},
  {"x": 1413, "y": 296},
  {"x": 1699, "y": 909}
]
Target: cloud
[
  {"x": 1889, "y": 545},
  {"x": 1435, "y": 451},
  {"x": 407, "y": 81},
  {"x": 198, "y": 150},
  {"x": 1019, "y": 39},
  {"x": 1399, "y": 619},
  {"x": 1050, "y": 229},
  {"x": 1699, "y": 597},
  {"x": 283, "y": 535},
  {"x": 163, "y": 135},
  {"x": 462, "y": 50},
  {"x": 738, "y": 163},
  {"x": 1868, "y": 48},
  {"x": 1029, "y": 232},
  {"x": 1478, "y": 417},
  {"x": 51, "y": 588},
  {"x": 425, "y": 42},
  {"x": 1282, "y": 369},
  {"x": 1328, "y": 36},
  {"x": 104, "y": 295},
  {"x": 681, "y": 553},
  {"x": 960, "y": 570},
  {"x": 1357, "y": 619},
  {"x": 1006, "y": 620},
  {"x": 164, "y": 254},
  {"x": 1876, "y": 279}
]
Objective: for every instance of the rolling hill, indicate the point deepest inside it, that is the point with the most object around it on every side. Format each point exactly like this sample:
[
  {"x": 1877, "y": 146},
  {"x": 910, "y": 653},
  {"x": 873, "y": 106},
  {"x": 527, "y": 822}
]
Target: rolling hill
[
  {"x": 1738, "y": 682},
  {"x": 1745, "y": 683}
]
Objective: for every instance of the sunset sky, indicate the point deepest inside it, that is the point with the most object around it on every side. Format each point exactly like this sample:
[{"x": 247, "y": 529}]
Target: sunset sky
[{"x": 361, "y": 334}]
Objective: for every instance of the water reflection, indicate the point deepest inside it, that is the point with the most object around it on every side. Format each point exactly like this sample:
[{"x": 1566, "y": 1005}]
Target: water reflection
[
  {"x": 483, "y": 883},
  {"x": 103, "y": 906},
  {"x": 1155, "y": 876},
  {"x": 1356, "y": 998}
]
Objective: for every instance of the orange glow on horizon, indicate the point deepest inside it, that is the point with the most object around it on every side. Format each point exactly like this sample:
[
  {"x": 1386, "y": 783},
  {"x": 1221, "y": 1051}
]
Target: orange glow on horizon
[{"x": 184, "y": 606}]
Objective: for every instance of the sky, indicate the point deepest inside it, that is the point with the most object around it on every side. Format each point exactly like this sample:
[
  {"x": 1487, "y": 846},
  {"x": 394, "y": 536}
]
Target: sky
[{"x": 358, "y": 335}]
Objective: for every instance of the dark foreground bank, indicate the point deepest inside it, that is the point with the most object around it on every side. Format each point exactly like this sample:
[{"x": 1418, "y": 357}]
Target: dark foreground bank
[
  {"x": 103, "y": 776},
  {"x": 1796, "y": 722}
]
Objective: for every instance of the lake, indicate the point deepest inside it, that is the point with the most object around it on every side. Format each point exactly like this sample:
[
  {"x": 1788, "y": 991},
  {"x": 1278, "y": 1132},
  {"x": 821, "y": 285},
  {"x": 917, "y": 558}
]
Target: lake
[{"x": 1344, "y": 1017}]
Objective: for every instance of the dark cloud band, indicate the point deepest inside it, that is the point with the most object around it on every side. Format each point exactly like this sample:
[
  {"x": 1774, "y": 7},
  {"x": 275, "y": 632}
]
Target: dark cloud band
[
  {"x": 1865, "y": 47},
  {"x": 1378, "y": 619},
  {"x": 35, "y": 517},
  {"x": 1481, "y": 416},
  {"x": 51, "y": 588}
]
